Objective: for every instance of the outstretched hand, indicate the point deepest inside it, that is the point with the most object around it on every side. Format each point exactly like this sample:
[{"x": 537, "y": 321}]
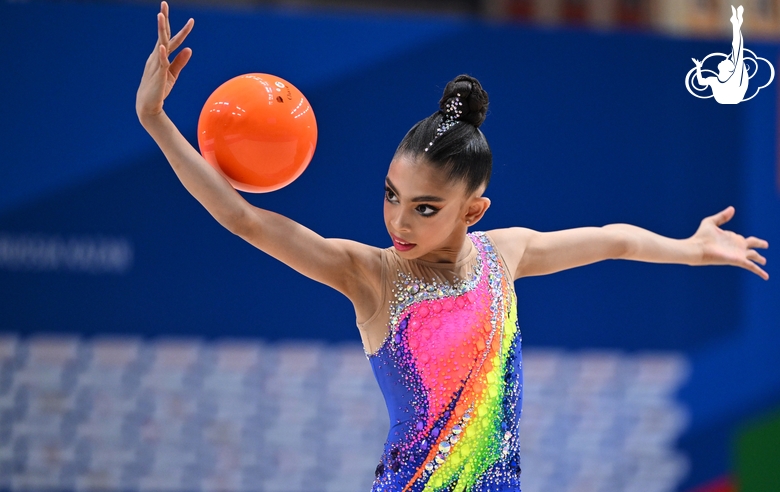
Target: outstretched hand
[
  {"x": 719, "y": 247},
  {"x": 160, "y": 74}
]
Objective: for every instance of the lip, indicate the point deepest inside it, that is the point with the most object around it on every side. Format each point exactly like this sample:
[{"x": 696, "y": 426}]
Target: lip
[{"x": 401, "y": 245}]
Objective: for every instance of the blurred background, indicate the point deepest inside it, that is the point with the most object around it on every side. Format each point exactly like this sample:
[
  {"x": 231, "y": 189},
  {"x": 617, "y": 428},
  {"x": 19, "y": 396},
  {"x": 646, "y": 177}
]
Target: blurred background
[{"x": 143, "y": 347}]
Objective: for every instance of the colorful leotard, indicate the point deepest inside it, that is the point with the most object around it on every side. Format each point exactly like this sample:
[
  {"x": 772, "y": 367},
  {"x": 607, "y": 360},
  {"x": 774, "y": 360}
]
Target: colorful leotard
[{"x": 451, "y": 374}]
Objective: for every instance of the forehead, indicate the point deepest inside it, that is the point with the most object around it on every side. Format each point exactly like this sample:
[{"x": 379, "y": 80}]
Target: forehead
[{"x": 415, "y": 177}]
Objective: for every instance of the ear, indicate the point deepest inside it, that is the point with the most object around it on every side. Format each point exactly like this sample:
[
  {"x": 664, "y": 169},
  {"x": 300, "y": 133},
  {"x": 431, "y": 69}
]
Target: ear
[{"x": 476, "y": 209}]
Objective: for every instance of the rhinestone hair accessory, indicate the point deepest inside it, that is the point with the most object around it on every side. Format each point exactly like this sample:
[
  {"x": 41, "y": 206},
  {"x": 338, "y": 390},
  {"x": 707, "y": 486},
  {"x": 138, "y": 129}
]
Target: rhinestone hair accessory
[{"x": 451, "y": 113}]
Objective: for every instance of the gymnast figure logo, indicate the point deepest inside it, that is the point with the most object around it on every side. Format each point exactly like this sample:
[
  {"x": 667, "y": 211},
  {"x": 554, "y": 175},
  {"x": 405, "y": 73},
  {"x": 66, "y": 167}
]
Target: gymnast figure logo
[{"x": 735, "y": 70}]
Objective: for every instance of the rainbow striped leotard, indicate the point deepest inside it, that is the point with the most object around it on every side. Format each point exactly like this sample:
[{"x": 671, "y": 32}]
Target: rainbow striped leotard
[{"x": 451, "y": 374}]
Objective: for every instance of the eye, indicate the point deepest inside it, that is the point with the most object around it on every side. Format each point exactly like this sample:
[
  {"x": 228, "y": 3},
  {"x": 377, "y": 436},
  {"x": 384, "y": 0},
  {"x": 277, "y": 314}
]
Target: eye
[
  {"x": 390, "y": 196},
  {"x": 426, "y": 210}
]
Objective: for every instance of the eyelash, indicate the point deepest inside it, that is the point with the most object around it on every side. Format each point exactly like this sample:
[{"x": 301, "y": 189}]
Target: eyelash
[{"x": 434, "y": 210}]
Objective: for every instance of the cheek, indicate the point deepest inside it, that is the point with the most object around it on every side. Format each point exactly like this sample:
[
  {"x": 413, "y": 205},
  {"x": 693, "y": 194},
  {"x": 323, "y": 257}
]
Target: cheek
[
  {"x": 445, "y": 218},
  {"x": 436, "y": 227}
]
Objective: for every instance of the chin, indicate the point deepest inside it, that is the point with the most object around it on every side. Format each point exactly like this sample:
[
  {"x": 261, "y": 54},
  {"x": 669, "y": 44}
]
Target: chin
[
  {"x": 412, "y": 254},
  {"x": 408, "y": 254}
]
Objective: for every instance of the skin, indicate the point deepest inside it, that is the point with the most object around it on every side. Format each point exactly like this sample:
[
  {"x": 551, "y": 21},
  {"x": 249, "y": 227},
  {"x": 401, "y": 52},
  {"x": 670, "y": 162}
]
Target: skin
[
  {"x": 436, "y": 226},
  {"x": 436, "y": 223}
]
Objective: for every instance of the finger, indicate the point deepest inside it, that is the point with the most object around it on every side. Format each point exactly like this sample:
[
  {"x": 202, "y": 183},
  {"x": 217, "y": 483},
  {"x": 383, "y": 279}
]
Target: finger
[
  {"x": 723, "y": 216},
  {"x": 162, "y": 38},
  {"x": 754, "y": 242},
  {"x": 749, "y": 265},
  {"x": 753, "y": 255},
  {"x": 180, "y": 61},
  {"x": 159, "y": 30},
  {"x": 162, "y": 29},
  {"x": 165, "y": 10},
  {"x": 181, "y": 35},
  {"x": 164, "y": 63}
]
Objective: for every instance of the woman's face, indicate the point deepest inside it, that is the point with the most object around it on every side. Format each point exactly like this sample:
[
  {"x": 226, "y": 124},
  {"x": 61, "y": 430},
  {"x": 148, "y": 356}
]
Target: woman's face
[{"x": 425, "y": 214}]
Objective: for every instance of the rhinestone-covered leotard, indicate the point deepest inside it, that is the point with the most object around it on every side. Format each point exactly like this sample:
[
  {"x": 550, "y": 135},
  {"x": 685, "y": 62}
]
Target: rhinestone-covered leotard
[{"x": 451, "y": 374}]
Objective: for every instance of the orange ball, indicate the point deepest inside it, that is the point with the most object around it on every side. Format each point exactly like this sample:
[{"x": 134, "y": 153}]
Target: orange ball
[{"x": 258, "y": 131}]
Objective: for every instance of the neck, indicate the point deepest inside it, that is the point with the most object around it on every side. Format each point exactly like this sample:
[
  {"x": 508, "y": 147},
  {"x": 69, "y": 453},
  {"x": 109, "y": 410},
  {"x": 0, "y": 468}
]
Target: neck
[{"x": 456, "y": 248}]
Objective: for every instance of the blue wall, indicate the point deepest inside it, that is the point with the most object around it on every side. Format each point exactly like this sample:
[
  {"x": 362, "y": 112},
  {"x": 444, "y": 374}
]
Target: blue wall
[{"x": 587, "y": 129}]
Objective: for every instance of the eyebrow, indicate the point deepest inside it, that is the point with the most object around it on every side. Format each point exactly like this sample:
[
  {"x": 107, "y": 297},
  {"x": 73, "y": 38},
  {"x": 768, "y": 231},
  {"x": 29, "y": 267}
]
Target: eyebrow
[{"x": 424, "y": 198}]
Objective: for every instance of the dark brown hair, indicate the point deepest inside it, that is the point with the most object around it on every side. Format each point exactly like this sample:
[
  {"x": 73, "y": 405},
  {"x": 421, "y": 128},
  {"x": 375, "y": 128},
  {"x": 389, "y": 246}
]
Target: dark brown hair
[{"x": 461, "y": 150}]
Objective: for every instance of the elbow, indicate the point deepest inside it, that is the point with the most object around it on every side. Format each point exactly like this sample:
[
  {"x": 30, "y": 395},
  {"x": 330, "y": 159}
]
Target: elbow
[
  {"x": 623, "y": 247},
  {"x": 627, "y": 248},
  {"x": 237, "y": 222}
]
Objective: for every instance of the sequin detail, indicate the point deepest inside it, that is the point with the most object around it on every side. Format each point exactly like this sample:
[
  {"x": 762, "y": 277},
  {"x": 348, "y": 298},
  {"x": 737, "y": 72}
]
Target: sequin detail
[
  {"x": 451, "y": 376},
  {"x": 450, "y": 116}
]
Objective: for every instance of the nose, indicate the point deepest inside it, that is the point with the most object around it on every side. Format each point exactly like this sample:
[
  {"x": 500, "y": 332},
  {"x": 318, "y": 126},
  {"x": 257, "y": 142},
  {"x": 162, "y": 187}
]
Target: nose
[{"x": 400, "y": 221}]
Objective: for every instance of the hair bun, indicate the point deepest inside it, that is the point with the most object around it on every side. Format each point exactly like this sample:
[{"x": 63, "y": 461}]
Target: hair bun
[{"x": 473, "y": 98}]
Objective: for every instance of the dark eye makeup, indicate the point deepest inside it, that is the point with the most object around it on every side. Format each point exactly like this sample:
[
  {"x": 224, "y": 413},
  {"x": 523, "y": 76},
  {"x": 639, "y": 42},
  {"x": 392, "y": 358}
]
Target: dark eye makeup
[
  {"x": 426, "y": 210},
  {"x": 390, "y": 195},
  {"x": 423, "y": 209}
]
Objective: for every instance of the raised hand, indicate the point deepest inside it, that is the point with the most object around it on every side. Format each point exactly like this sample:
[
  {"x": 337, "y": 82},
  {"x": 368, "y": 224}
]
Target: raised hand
[
  {"x": 719, "y": 247},
  {"x": 160, "y": 74}
]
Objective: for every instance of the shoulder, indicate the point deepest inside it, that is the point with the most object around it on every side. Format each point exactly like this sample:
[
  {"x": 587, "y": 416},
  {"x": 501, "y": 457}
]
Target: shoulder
[
  {"x": 367, "y": 260},
  {"x": 511, "y": 238},
  {"x": 356, "y": 267},
  {"x": 511, "y": 243},
  {"x": 364, "y": 281}
]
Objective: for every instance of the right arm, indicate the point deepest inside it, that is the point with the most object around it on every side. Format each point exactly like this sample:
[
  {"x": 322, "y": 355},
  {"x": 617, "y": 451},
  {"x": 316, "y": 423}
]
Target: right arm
[
  {"x": 341, "y": 264},
  {"x": 347, "y": 266}
]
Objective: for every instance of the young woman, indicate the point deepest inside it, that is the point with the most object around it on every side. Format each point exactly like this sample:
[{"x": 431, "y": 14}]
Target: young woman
[{"x": 437, "y": 310}]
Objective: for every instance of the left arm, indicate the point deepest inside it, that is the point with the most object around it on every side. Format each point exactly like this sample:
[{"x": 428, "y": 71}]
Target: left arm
[{"x": 530, "y": 253}]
